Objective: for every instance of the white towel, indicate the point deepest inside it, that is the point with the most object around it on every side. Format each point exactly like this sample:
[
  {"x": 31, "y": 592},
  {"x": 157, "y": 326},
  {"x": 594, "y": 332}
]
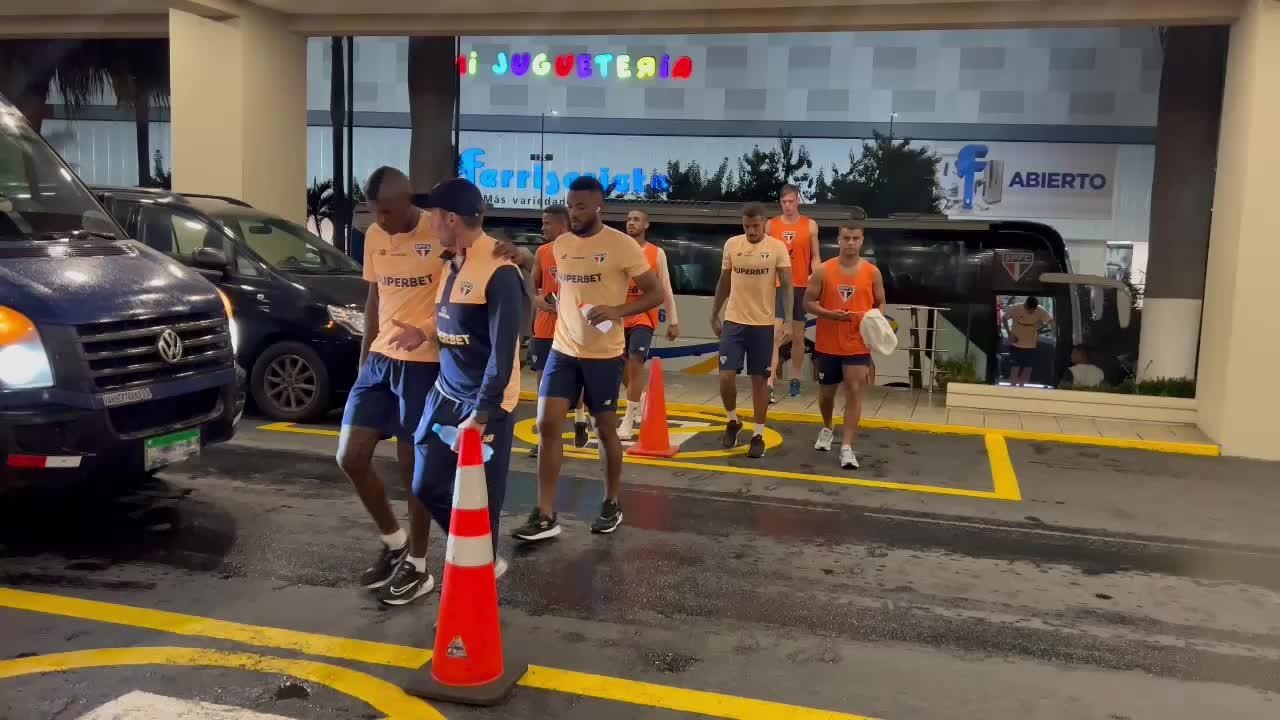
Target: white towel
[{"x": 877, "y": 333}]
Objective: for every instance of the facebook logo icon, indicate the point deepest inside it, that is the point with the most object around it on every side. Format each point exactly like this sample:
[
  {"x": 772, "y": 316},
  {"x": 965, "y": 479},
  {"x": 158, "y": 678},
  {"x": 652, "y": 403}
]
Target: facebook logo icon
[{"x": 969, "y": 163}]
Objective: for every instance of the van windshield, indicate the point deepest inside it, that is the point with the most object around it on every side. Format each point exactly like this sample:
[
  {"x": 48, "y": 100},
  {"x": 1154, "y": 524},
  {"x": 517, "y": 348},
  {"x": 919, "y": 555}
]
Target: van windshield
[
  {"x": 39, "y": 196},
  {"x": 286, "y": 246}
]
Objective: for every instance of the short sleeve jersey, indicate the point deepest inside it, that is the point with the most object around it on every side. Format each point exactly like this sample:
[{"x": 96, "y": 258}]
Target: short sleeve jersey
[
  {"x": 755, "y": 269},
  {"x": 406, "y": 268},
  {"x": 593, "y": 271}
]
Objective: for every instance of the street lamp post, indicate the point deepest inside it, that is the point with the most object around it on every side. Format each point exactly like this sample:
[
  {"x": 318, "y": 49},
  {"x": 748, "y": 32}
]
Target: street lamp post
[
  {"x": 892, "y": 117},
  {"x": 542, "y": 157}
]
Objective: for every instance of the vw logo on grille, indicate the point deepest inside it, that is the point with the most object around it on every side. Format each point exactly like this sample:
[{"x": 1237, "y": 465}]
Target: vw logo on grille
[{"x": 169, "y": 345}]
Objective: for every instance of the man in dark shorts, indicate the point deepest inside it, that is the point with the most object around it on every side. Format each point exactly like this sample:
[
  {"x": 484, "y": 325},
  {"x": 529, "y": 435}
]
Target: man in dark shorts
[
  {"x": 752, "y": 265},
  {"x": 841, "y": 292},
  {"x": 594, "y": 265}
]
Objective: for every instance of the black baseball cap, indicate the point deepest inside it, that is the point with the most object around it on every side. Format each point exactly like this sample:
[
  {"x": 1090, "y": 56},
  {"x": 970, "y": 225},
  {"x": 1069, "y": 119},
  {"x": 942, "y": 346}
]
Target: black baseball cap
[{"x": 457, "y": 195}]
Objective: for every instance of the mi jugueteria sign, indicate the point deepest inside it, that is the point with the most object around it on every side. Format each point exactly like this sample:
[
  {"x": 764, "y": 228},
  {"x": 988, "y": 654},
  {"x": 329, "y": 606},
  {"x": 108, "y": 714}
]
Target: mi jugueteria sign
[
  {"x": 972, "y": 160},
  {"x": 580, "y": 65},
  {"x": 471, "y": 166}
]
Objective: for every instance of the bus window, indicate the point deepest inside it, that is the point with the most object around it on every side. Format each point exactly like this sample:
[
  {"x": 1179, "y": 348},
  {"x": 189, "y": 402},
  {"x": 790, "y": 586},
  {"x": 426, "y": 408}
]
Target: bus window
[{"x": 1028, "y": 341}]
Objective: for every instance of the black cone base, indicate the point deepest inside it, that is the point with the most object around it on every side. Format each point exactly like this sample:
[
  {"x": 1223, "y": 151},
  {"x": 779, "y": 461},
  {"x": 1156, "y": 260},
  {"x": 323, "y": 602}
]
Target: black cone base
[{"x": 496, "y": 692}]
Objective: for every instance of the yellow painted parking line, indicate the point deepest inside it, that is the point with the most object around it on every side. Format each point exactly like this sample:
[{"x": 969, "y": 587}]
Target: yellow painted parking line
[
  {"x": 525, "y": 432},
  {"x": 711, "y": 704},
  {"x": 1005, "y": 487},
  {"x": 1158, "y": 446},
  {"x": 374, "y": 653},
  {"x": 1004, "y": 482},
  {"x": 377, "y": 693}
]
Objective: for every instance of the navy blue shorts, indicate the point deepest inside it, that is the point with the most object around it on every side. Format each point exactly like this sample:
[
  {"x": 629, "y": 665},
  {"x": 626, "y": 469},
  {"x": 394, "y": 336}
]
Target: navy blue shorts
[
  {"x": 639, "y": 340},
  {"x": 539, "y": 349},
  {"x": 597, "y": 380},
  {"x": 797, "y": 310},
  {"x": 435, "y": 463},
  {"x": 388, "y": 396},
  {"x": 1022, "y": 357},
  {"x": 752, "y": 342},
  {"x": 831, "y": 367}
]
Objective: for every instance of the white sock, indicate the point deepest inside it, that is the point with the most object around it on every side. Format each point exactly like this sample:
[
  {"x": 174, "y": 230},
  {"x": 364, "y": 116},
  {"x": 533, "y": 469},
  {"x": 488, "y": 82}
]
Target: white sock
[
  {"x": 579, "y": 414},
  {"x": 396, "y": 540},
  {"x": 733, "y": 416},
  {"x": 759, "y": 429},
  {"x": 638, "y": 409},
  {"x": 846, "y": 446},
  {"x": 419, "y": 564}
]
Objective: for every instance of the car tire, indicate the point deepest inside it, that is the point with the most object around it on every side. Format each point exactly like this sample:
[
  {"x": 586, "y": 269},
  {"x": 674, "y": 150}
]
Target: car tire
[{"x": 290, "y": 382}]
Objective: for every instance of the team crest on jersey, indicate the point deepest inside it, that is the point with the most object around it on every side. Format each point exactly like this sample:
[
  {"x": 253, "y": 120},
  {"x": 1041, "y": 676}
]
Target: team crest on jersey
[
  {"x": 467, "y": 287},
  {"x": 789, "y": 236},
  {"x": 764, "y": 256},
  {"x": 444, "y": 313},
  {"x": 423, "y": 249},
  {"x": 846, "y": 292},
  {"x": 599, "y": 258},
  {"x": 554, "y": 271}
]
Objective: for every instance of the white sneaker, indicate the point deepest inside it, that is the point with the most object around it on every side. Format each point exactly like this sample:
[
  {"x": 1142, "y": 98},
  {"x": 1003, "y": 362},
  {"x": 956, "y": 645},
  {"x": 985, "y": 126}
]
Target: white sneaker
[
  {"x": 627, "y": 428},
  {"x": 848, "y": 460},
  {"x": 499, "y": 568},
  {"x": 823, "y": 442}
]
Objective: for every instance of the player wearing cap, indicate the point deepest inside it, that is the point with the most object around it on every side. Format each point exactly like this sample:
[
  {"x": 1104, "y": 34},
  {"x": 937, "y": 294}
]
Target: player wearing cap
[
  {"x": 639, "y": 329},
  {"x": 594, "y": 264},
  {"x": 753, "y": 263},
  {"x": 478, "y": 317},
  {"x": 403, "y": 263},
  {"x": 840, "y": 293}
]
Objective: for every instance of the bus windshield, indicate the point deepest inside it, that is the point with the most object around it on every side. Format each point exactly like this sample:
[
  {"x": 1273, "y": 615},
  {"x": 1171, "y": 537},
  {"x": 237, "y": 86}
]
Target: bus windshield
[{"x": 40, "y": 198}]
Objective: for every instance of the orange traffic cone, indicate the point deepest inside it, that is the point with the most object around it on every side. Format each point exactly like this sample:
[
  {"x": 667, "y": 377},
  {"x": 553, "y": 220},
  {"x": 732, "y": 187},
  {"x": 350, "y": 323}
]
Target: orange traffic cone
[
  {"x": 655, "y": 440},
  {"x": 467, "y": 665}
]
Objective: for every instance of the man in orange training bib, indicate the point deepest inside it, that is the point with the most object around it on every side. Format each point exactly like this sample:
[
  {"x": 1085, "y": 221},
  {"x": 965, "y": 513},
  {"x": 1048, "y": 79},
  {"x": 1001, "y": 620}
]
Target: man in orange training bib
[
  {"x": 800, "y": 235},
  {"x": 840, "y": 293},
  {"x": 639, "y": 329}
]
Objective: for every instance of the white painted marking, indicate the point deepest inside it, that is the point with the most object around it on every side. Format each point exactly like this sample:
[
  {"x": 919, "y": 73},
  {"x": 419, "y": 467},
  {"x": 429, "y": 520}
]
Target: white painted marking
[{"x": 139, "y": 705}]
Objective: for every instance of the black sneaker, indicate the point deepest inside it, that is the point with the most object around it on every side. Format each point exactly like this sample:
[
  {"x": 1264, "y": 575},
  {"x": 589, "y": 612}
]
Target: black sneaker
[
  {"x": 534, "y": 452},
  {"x": 406, "y": 585},
  {"x": 610, "y": 517},
  {"x": 539, "y": 527},
  {"x": 731, "y": 430},
  {"x": 380, "y": 572},
  {"x": 580, "y": 436},
  {"x": 756, "y": 449}
]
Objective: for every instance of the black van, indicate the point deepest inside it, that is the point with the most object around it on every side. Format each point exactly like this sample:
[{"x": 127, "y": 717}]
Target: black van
[
  {"x": 113, "y": 357},
  {"x": 299, "y": 302}
]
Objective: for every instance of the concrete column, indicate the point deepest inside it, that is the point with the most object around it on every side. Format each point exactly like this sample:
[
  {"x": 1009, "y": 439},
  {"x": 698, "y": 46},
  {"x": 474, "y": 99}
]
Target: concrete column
[
  {"x": 1191, "y": 82},
  {"x": 239, "y": 109},
  {"x": 1237, "y": 396}
]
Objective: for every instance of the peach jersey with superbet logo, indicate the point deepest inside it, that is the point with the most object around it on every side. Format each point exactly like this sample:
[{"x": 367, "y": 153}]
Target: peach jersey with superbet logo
[
  {"x": 406, "y": 268},
  {"x": 593, "y": 271}
]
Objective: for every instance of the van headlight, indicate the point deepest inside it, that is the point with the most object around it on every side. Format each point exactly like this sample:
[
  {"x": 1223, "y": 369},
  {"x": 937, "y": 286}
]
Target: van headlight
[
  {"x": 231, "y": 322},
  {"x": 348, "y": 317},
  {"x": 24, "y": 364}
]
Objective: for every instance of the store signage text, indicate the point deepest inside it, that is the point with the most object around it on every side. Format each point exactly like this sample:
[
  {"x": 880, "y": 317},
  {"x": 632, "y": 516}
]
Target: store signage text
[
  {"x": 471, "y": 165},
  {"x": 579, "y": 65}
]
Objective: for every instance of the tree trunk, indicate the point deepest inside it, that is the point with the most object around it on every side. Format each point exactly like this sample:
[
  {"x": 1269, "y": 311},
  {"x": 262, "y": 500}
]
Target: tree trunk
[
  {"x": 337, "y": 116},
  {"x": 142, "y": 133},
  {"x": 433, "y": 79}
]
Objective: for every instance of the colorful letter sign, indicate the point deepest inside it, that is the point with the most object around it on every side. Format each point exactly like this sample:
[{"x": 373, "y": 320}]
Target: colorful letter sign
[{"x": 582, "y": 66}]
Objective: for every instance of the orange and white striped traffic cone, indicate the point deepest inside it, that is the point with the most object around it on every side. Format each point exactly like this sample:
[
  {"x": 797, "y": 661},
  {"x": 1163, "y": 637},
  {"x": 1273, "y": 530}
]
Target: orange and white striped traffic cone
[{"x": 467, "y": 665}]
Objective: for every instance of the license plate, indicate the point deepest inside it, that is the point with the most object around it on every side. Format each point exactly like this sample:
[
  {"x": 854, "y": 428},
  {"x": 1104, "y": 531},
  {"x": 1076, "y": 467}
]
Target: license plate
[{"x": 169, "y": 449}]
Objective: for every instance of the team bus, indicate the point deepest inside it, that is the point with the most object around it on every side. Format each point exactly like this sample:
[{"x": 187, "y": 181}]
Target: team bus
[{"x": 970, "y": 270}]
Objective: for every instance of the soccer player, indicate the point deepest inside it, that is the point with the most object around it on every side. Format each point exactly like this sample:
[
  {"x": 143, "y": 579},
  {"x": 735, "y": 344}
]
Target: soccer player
[
  {"x": 800, "y": 235},
  {"x": 639, "y": 329},
  {"x": 479, "y": 308},
  {"x": 840, "y": 293},
  {"x": 555, "y": 222},
  {"x": 752, "y": 266},
  {"x": 402, "y": 263},
  {"x": 594, "y": 264}
]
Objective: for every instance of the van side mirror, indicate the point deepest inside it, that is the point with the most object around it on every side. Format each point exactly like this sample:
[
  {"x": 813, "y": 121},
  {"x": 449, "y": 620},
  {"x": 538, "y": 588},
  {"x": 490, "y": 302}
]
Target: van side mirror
[{"x": 211, "y": 259}]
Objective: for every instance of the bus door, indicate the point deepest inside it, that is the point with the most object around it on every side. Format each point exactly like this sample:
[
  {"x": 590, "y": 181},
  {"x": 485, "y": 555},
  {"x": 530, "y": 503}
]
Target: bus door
[
  {"x": 1021, "y": 339},
  {"x": 1104, "y": 332}
]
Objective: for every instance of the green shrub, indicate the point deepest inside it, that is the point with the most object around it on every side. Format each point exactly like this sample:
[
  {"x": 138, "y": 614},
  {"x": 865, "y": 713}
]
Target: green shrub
[
  {"x": 955, "y": 370},
  {"x": 1159, "y": 387}
]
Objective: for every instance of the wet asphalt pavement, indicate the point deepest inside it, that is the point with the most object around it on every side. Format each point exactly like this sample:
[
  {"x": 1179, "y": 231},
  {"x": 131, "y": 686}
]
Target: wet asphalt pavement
[{"x": 1125, "y": 585}]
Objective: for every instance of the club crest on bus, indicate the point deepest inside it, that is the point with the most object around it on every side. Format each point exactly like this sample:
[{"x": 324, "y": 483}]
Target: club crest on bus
[{"x": 1017, "y": 264}]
